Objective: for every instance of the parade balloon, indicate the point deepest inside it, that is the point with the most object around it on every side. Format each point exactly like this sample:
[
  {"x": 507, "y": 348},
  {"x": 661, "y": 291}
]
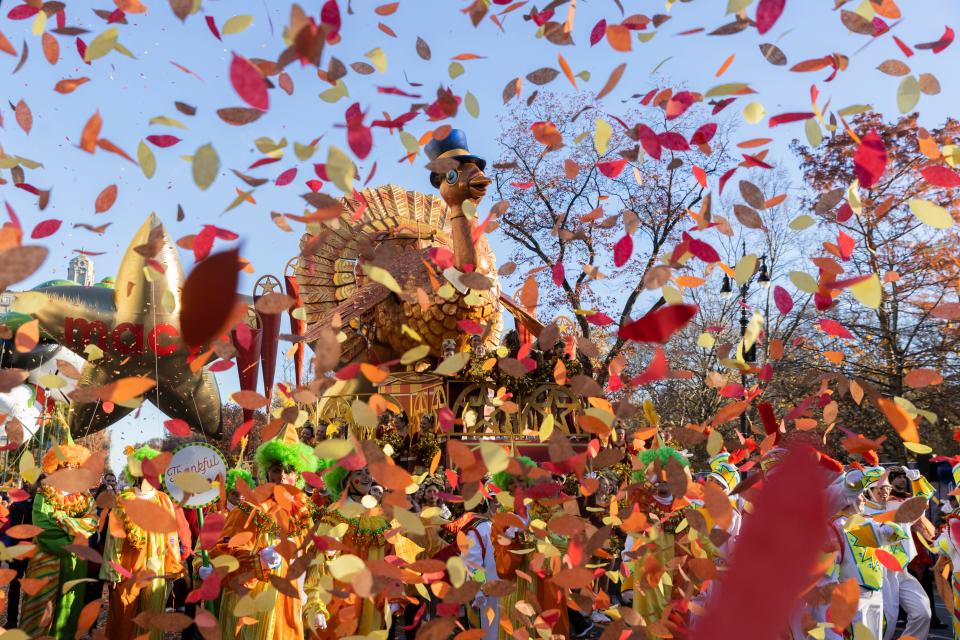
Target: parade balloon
[
  {"x": 21, "y": 404},
  {"x": 128, "y": 328},
  {"x": 48, "y": 374}
]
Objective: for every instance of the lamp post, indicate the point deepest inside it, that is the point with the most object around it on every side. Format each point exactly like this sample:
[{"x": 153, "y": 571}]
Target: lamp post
[{"x": 762, "y": 276}]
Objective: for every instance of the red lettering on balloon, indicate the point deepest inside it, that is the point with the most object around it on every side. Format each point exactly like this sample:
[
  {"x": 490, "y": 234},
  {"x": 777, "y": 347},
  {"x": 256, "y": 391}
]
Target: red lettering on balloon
[
  {"x": 154, "y": 339},
  {"x": 123, "y": 346}
]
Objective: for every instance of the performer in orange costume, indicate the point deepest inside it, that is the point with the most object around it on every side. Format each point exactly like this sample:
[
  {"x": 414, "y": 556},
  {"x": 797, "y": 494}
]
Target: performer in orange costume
[
  {"x": 152, "y": 558},
  {"x": 266, "y": 537}
]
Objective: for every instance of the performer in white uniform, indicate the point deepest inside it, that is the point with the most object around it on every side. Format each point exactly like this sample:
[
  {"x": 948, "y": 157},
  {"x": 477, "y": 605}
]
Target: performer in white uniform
[
  {"x": 482, "y": 564},
  {"x": 900, "y": 588},
  {"x": 861, "y": 536}
]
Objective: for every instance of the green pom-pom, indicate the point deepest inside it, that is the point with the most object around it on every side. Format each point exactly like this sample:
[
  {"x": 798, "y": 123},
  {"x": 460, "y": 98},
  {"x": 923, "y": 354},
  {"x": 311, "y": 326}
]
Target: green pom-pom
[
  {"x": 663, "y": 454},
  {"x": 502, "y": 477},
  {"x": 143, "y": 453}
]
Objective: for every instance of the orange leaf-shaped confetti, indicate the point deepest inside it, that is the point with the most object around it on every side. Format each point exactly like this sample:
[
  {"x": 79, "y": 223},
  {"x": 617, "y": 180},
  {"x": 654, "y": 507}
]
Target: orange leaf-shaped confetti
[
  {"x": 567, "y": 71},
  {"x": 149, "y": 516},
  {"x": 386, "y": 9},
  {"x": 688, "y": 281},
  {"x": 23, "y": 531},
  {"x": 24, "y": 116},
  {"x": 843, "y": 603},
  {"x": 51, "y": 48},
  {"x": 32, "y": 586},
  {"x": 67, "y": 85},
  {"x": 105, "y": 199},
  {"x": 726, "y": 65},
  {"x": 919, "y": 378},
  {"x": 28, "y": 335},
  {"x": 91, "y": 132},
  {"x": 5, "y": 45},
  {"x": 125, "y": 389},
  {"x": 612, "y": 81},
  {"x": 718, "y": 504},
  {"x": 900, "y": 420},
  {"x": 373, "y": 373},
  {"x": 619, "y": 37},
  {"x": 88, "y": 616},
  {"x": 130, "y": 6}
]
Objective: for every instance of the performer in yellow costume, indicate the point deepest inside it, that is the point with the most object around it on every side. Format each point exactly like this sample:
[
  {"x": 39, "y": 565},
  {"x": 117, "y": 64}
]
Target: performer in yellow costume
[
  {"x": 264, "y": 538},
  {"x": 659, "y": 590},
  {"x": 360, "y": 534},
  {"x": 50, "y": 611},
  {"x": 152, "y": 558}
]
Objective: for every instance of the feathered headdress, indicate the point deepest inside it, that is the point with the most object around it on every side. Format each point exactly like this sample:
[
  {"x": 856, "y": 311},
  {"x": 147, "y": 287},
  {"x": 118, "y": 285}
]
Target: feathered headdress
[{"x": 64, "y": 456}]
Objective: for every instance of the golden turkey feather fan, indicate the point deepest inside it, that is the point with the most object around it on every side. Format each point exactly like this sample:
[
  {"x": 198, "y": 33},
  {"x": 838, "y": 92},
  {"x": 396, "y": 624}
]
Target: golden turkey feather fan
[{"x": 389, "y": 230}]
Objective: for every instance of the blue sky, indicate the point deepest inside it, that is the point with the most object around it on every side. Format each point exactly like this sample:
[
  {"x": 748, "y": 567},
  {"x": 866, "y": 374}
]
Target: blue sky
[{"x": 128, "y": 93}]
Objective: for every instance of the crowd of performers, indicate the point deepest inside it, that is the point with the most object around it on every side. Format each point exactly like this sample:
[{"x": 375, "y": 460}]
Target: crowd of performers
[{"x": 304, "y": 547}]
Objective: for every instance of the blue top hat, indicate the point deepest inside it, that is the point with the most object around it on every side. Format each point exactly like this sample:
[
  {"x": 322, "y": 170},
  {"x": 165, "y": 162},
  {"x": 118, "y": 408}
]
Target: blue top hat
[{"x": 453, "y": 146}]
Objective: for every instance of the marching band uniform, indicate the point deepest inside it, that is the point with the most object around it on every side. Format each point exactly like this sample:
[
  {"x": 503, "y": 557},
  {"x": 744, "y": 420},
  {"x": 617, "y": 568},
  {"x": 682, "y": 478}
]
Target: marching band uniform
[
  {"x": 948, "y": 545},
  {"x": 900, "y": 588},
  {"x": 660, "y": 545},
  {"x": 480, "y": 560},
  {"x": 860, "y": 537}
]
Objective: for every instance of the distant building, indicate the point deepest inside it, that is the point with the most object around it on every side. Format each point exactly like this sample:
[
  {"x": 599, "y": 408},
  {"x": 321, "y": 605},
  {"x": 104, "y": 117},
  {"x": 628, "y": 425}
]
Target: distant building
[
  {"x": 80, "y": 270},
  {"x": 6, "y": 300}
]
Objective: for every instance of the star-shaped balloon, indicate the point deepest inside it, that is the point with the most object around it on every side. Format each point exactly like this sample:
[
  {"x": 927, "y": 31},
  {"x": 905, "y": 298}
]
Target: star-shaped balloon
[{"x": 133, "y": 330}]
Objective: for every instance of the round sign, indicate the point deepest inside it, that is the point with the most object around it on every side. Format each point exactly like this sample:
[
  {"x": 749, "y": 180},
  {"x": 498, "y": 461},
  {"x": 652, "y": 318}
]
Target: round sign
[{"x": 195, "y": 458}]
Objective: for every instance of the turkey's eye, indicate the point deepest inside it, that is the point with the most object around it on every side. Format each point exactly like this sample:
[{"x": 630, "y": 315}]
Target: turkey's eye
[{"x": 452, "y": 176}]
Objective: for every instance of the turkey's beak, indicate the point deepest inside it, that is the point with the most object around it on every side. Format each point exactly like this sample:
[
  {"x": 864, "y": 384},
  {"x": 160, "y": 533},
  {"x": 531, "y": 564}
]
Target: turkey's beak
[{"x": 478, "y": 185}]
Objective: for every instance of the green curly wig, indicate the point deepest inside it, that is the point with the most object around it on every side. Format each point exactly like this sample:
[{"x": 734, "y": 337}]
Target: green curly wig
[
  {"x": 232, "y": 476},
  {"x": 297, "y": 456},
  {"x": 333, "y": 480},
  {"x": 663, "y": 454},
  {"x": 143, "y": 453},
  {"x": 501, "y": 478}
]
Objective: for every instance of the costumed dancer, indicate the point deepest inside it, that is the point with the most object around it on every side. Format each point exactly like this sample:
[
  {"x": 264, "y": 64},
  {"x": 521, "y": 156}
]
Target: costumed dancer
[
  {"x": 272, "y": 532},
  {"x": 508, "y": 540},
  {"x": 900, "y": 588},
  {"x": 859, "y": 538},
  {"x": 62, "y": 516},
  {"x": 234, "y": 499},
  {"x": 361, "y": 534},
  {"x": 725, "y": 474},
  {"x": 947, "y": 569},
  {"x": 152, "y": 558},
  {"x": 550, "y": 595},
  {"x": 479, "y": 559},
  {"x": 664, "y": 601}
]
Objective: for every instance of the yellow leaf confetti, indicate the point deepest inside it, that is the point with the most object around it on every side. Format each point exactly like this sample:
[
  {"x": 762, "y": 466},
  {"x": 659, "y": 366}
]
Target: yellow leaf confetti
[
  {"x": 340, "y": 169},
  {"x": 378, "y": 58},
  {"x": 931, "y": 214},
  {"x": 236, "y": 24},
  {"x": 601, "y": 136},
  {"x": 868, "y": 292}
]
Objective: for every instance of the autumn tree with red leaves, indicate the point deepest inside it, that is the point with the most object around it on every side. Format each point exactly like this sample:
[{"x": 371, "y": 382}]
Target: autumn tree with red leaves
[
  {"x": 906, "y": 347},
  {"x": 591, "y": 221}
]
